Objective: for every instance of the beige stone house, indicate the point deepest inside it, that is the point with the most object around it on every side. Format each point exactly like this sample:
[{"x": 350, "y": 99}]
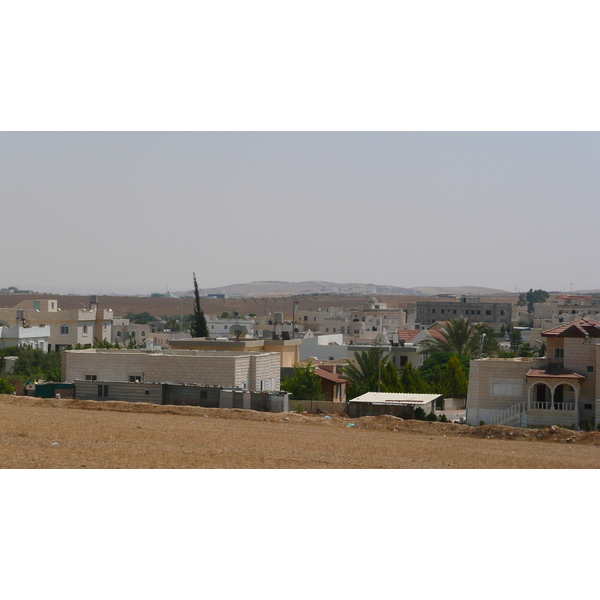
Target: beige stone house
[
  {"x": 67, "y": 327},
  {"x": 253, "y": 371},
  {"x": 561, "y": 388}
]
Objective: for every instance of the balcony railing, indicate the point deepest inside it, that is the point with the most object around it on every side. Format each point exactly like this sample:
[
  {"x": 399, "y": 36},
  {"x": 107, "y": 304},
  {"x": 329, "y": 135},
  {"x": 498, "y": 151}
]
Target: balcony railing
[{"x": 552, "y": 405}]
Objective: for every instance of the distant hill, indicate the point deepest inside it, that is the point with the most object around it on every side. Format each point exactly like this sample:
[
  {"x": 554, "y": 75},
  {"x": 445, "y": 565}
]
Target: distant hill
[
  {"x": 287, "y": 288},
  {"x": 459, "y": 291}
]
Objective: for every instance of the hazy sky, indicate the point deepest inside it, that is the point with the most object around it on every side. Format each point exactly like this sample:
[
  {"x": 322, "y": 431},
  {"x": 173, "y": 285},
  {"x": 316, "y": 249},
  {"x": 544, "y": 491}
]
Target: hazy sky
[{"x": 135, "y": 212}]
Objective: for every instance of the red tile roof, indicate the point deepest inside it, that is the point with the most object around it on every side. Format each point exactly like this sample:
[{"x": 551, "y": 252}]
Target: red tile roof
[
  {"x": 408, "y": 335},
  {"x": 580, "y": 328},
  {"x": 554, "y": 372},
  {"x": 333, "y": 377},
  {"x": 436, "y": 333}
]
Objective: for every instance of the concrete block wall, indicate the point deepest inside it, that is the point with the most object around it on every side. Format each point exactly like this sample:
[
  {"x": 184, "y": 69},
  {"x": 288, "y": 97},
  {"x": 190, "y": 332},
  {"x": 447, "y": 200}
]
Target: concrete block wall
[
  {"x": 107, "y": 366},
  {"x": 539, "y": 418},
  {"x": 211, "y": 368},
  {"x": 204, "y": 369}
]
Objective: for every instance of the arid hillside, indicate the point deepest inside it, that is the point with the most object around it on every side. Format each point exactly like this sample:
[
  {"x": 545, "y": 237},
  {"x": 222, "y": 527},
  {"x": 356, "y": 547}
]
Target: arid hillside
[{"x": 37, "y": 433}]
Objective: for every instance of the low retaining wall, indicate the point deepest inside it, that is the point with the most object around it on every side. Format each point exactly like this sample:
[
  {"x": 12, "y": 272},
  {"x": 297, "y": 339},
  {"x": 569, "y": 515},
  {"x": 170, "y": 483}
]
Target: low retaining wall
[{"x": 301, "y": 405}]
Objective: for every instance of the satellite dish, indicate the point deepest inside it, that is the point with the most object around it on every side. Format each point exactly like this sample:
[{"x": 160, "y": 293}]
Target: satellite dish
[{"x": 238, "y": 330}]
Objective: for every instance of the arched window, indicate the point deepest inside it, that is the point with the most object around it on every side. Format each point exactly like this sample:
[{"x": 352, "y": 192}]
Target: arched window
[
  {"x": 143, "y": 334},
  {"x": 542, "y": 396},
  {"x": 118, "y": 334}
]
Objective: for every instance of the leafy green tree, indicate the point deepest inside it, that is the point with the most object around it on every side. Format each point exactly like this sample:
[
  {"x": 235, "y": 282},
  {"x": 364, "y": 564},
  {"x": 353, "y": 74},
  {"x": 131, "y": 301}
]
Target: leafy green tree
[
  {"x": 451, "y": 380},
  {"x": 372, "y": 372},
  {"x": 516, "y": 339},
  {"x": 411, "y": 381},
  {"x": 198, "y": 325},
  {"x": 33, "y": 364},
  {"x": 304, "y": 384},
  {"x": 532, "y": 297},
  {"x": 441, "y": 359},
  {"x": 460, "y": 337},
  {"x": 6, "y": 387}
]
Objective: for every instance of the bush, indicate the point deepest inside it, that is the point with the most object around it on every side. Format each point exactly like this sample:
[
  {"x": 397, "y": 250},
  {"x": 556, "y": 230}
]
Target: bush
[
  {"x": 481, "y": 423},
  {"x": 419, "y": 414},
  {"x": 431, "y": 417},
  {"x": 443, "y": 419},
  {"x": 6, "y": 387},
  {"x": 588, "y": 425}
]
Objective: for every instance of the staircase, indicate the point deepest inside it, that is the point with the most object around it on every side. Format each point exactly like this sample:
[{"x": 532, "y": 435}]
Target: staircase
[{"x": 515, "y": 415}]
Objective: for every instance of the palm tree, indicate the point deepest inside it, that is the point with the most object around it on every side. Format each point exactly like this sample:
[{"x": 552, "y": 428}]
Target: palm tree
[
  {"x": 459, "y": 336},
  {"x": 373, "y": 372}
]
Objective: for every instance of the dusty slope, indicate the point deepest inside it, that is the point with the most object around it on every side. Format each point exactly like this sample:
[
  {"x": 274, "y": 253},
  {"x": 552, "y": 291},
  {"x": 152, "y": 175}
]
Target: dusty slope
[{"x": 36, "y": 433}]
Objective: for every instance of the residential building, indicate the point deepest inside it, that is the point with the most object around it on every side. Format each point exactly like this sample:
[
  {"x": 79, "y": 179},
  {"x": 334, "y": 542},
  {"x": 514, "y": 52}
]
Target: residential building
[
  {"x": 333, "y": 384},
  {"x": 218, "y": 327},
  {"x": 67, "y": 327},
  {"x": 560, "y": 389},
  {"x": 253, "y": 371},
  {"x": 494, "y": 314},
  {"x": 35, "y": 336}
]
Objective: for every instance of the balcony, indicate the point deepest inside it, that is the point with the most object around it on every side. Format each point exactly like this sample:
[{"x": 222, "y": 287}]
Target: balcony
[{"x": 551, "y": 405}]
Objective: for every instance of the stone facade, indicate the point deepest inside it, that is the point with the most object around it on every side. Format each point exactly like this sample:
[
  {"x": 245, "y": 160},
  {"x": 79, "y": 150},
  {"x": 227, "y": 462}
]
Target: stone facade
[
  {"x": 252, "y": 371},
  {"x": 561, "y": 388}
]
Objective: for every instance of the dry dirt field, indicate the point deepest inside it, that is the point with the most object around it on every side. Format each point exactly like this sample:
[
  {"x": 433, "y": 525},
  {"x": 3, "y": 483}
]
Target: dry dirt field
[{"x": 38, "y": 433}]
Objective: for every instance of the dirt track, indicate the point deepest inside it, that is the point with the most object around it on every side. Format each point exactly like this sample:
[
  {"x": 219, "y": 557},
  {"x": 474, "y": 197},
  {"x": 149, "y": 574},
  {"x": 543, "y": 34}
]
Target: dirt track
[{"x": 36, "y": 433}]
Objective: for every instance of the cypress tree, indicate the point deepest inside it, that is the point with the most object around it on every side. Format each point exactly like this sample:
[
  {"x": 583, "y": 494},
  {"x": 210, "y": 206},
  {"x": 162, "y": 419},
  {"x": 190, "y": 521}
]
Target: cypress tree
[{"x": 198, "y": 325}]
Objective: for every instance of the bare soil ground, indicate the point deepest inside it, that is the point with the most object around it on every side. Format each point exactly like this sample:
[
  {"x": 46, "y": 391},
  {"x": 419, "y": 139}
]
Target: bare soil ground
[{"x": 39, "y": 433}]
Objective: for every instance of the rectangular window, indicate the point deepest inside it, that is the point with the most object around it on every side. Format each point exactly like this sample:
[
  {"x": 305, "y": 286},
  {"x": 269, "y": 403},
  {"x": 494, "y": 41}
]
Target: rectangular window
[
  {"x": 559, "y": 353},
  {"x": 91, "y": 377},
  {"x": 403, "y": 361},
  {"x": 135, "y": 378},
  {"x": 587, "y": 407},
  {"x": 147, "y": 392},
  {"x": 203, "y": 394},
  {"x": 589, "y": 369},
  {"x": 478, "y": 312},
  {"x": 454, "y": 312},
  {"x": 442, "y": 311},
  {"x": 36, "y": 305},
  {"x": 488, "y": 312},
  {"x": 102, "y": 391},
  {"x": 64, "y": 329}
]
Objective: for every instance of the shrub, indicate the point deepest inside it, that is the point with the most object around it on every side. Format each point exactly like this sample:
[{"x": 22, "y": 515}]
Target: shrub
[
  {"x": 431, "y": 417},
  {"x": 419, "y": 414},
  {"x": 6, "y": 387},
  {"x": 588, "y": 425},
  {"x": 443, "y": 419},
  {"x": 481, "y": 423}
]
